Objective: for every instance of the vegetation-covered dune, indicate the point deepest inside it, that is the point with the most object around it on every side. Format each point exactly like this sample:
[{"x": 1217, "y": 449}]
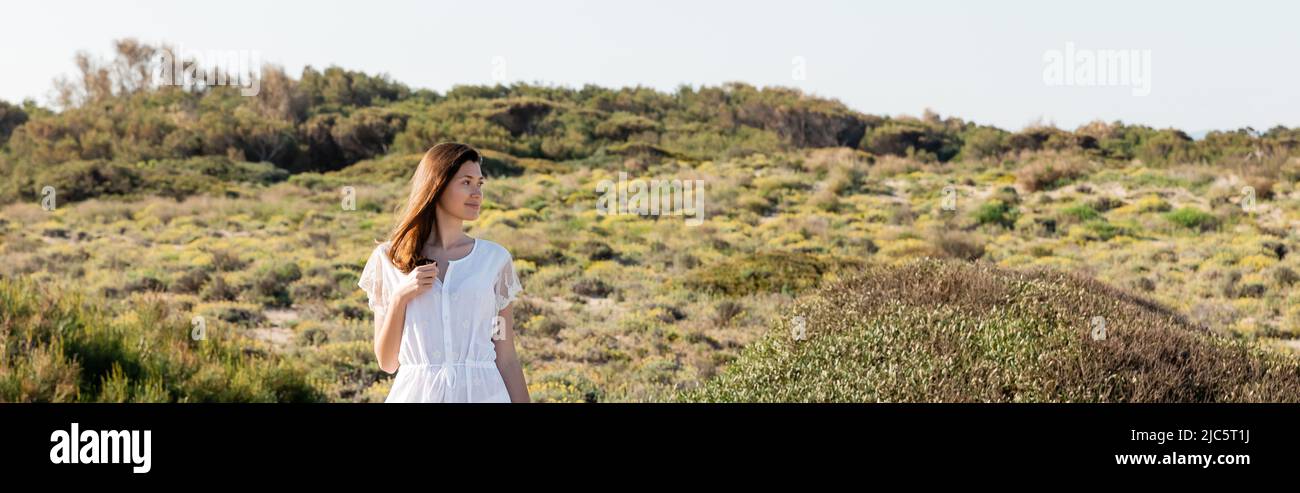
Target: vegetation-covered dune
[{"x": 946, "y": 331}]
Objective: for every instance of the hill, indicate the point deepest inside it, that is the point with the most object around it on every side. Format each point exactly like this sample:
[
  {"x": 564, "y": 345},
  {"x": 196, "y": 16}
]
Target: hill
[
  {"x": 944, "y": 331},
  {"x": 204, "y": 204}
]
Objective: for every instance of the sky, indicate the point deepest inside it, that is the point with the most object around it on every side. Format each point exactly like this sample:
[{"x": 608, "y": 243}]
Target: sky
[{"x": 1212, "y": 65}]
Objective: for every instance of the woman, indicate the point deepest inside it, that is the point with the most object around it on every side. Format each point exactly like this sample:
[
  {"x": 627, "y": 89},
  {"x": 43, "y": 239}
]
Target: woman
[{"x": 441, "y": 299}]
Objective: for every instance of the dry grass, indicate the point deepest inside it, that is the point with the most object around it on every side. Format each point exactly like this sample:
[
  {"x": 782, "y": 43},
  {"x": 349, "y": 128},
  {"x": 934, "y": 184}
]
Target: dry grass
[{"x": 1051, "y": 171}]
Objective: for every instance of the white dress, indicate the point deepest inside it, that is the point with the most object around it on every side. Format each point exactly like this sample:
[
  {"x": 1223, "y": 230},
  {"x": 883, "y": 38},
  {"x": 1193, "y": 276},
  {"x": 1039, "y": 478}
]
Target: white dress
[{"x": 447, "y": 352}]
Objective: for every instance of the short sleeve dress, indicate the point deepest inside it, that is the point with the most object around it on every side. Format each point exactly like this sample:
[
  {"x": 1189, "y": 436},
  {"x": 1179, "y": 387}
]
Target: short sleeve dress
[{"x": 447, "y": 352}]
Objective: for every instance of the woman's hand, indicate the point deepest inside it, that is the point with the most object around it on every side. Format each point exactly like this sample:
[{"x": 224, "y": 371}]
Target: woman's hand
[{"x": 419, "y": 280}]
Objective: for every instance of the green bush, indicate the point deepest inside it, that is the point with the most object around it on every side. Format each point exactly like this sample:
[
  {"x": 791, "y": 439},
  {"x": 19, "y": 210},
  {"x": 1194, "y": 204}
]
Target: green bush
[
  {"x": 1081, "y": 212},
  {"x": 912, "y": 138},
  {"x": 763, "y": 272},
  {"x": 1104, "y": 230},
  {"x": 997, "y": 212},
  {"x": 271, "y": 283},
  {"x": 1193, "y": 219},
  {"x": 11, "y": 117},
  {"x": 175, "y": 178},
  {"x": 80, "y": 180},
  {"x": 984, "y": 143}
]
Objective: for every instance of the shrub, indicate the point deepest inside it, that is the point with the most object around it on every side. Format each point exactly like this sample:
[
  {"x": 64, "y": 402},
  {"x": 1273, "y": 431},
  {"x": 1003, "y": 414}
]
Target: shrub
[
  {"x": 191, "y": 282},
  {"x": 726, "y": 311},
  {"x": 1152, "y": 203},
  {"x": 1263, "y": 186},
  {"x": 316, "y": 287},
  {"x": 219, "y": 290},
  {"x": 80, "y": 180},
  {"x": 1284, "y": 276},
  {"x": 592, "y": 287},
  {"x": 984, "y": 143},
  {"x": 271, "y": 283},
  {"x": 997, "y": 212},
  {"x": 620, "y": 125},
  {"x": 1040, "y": 137},
  {"x": 1193, "y": 219},
  {"x": 226, "y": 260},
  {"x": 597, "y": 250},
  {"x": 242, "y": 315},
  {"x": 144, "y": 283},
  {"x": 764, "y": 272},
  {"x": 1048, "y": 175},
  {"x": 1105, "y": 203},
  {"x": 1103, "y": 230},
  {"x": 958, "y": 245},
  {"x": 912, "y": 138},
  {"x": 11, "y": 117},
  {"x": 1081, "y": 212}
]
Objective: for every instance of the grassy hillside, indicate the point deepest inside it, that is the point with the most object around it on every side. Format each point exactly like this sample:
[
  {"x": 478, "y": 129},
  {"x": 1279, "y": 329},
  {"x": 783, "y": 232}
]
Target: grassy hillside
[
  {"x": 178, "y": 204},
  {"x": 633, "y": 308},
  {"x": 959, "y": 332},
  {"x": 61, "y": 347}
]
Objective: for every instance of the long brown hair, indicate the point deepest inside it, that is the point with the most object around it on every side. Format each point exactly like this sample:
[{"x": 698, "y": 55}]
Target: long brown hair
[{"x": 418, "y": 222}]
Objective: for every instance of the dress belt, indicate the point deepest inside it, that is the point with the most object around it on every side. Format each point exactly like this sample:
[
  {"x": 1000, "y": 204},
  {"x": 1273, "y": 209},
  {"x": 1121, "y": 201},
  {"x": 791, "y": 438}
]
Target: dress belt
[{"x": 449, "y": 376}]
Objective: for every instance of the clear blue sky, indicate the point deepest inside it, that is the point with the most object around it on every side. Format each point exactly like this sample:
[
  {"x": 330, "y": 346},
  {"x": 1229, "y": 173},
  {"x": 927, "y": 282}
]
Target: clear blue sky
[{"x": 1214, "y": 65}]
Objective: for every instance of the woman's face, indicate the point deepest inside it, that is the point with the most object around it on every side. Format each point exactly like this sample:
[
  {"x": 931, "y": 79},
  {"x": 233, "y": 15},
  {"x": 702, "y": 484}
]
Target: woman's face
[{"x": 464, "y": 194}]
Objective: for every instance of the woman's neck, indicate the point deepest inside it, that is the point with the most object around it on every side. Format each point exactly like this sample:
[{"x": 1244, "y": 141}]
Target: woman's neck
[{"x": 449, "y": 231}]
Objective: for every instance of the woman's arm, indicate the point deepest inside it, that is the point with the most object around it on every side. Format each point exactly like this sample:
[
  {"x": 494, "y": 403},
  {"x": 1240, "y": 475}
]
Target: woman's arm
[
  {"x": 388, "y": 332},
  {"x": 508, "y": 360}
]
